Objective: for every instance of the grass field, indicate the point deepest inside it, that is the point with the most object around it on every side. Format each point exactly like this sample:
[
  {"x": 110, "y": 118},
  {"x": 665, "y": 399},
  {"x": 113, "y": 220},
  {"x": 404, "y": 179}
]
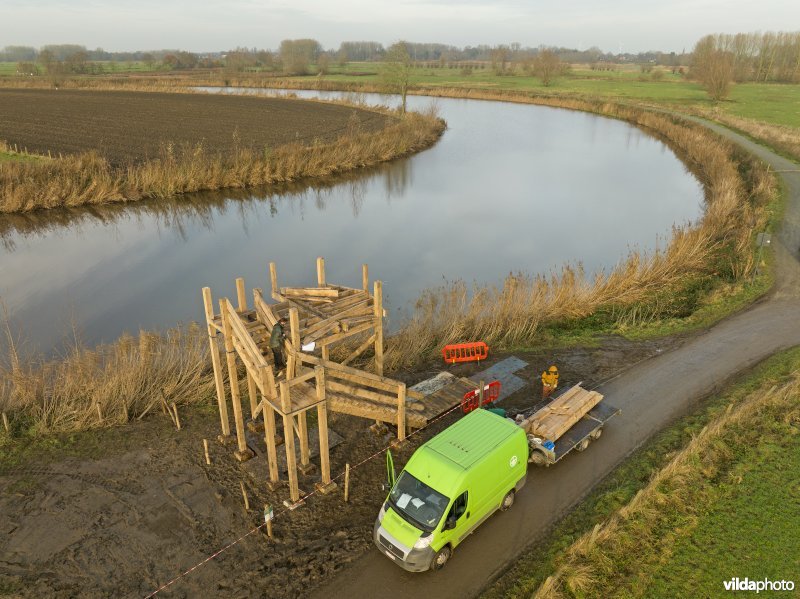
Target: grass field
[
  {"x": 769, "y": 102},
  {"x": 747, "y": 523}
]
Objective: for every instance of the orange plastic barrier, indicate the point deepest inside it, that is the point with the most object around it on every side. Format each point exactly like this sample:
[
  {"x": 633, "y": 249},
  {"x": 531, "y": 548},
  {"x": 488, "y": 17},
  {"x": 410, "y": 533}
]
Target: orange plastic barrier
[
  {"x": 472, "y": 399},
  {"x": 465, "y": 352}
]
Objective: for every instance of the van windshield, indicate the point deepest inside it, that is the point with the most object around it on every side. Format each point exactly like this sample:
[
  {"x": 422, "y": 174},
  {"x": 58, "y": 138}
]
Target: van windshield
[{"x": 417, "y": 502}]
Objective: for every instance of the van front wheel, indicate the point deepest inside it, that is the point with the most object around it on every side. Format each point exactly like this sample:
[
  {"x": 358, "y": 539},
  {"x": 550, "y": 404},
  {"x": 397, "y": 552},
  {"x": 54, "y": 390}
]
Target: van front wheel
[
  {"x": 441, "y": 558},
  {"x": 508, "y": 501}
]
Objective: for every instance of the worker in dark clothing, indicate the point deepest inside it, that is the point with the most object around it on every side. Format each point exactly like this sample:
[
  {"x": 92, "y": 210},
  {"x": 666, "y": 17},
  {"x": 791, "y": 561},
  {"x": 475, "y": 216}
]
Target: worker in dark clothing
[{"x": 276, "y": 343}]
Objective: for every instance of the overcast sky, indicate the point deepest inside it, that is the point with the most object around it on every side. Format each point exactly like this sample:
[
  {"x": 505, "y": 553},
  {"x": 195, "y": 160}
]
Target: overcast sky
[{"x": 199, "y": 25}]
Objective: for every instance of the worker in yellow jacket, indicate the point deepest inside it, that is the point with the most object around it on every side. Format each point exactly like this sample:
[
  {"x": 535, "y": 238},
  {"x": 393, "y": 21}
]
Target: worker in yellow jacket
[{"x": 549, "y": 381}]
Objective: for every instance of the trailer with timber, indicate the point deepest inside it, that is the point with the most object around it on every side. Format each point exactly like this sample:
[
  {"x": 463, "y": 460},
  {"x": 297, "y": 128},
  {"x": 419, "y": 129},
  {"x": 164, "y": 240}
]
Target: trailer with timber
[{"x": 569, "y": 422}]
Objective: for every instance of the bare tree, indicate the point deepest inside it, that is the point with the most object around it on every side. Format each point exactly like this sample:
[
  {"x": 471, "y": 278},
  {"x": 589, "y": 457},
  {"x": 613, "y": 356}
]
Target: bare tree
[
  {"x": 396, "y": 71},
  {"x": 547, "y": 66},
  {"x": 713, "y": 67},
  {"x": 323, "y": 63}
]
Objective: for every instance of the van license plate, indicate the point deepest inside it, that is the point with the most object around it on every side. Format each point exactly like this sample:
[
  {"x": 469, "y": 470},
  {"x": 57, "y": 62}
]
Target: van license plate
[{"x": 389, "y": 553}]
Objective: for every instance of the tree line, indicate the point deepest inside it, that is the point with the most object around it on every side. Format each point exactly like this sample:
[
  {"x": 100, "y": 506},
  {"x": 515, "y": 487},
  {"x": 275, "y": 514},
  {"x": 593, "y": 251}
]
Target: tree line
[{"x": 770, "y": 56}]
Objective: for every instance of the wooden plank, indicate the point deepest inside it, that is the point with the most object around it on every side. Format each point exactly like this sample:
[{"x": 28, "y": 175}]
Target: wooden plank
[
  {"x": 365, "y": 277},
  {"x": 302, "y": 433},
  {"x": 552, "y": 421},
  {"x": 349, "y": 300},
  {"x": 331, "y": 327},
  {"x": 355, "y": 375},
  {"x": 245, "y": 341},
  {"x": 241, "y": 295},
  {"x": 305, "y": 307},
  {"x": 389, "y": 400},
  {"x": 401, "y": 412},
  {"x": 322, "y": 324},
  {"x": 316, "y": 292},
  {"x": 273, "y": 278},
  {"x": 366, "y": 409}
]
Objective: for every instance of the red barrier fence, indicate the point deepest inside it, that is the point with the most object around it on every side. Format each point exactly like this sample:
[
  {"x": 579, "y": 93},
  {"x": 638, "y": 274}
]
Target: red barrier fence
[
  {"x": 472, "y": 399},
  {"x": 465, "y": 352}
]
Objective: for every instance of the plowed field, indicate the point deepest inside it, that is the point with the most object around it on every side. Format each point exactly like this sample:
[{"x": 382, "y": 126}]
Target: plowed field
[{"x": 134, "y": 126}]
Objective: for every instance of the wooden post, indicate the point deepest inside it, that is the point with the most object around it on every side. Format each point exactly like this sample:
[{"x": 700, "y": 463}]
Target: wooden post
[
  {"x": 244, "y": 494},
  {"x": 273, "y": 278},
  {"x": 99, "y": 413},
  {"x": 378, "y": 327},
  {"x": 401, "y": 411},
  {"x": 480, "y": 393},
  {"x": 241, "y": 295},
  {"x": 365, "y": 277},
  {"x": 177, "y": 418},
  {"x": 269, "y": 440},
  {"x": 294, "y": 338},
  {"x": 242, "y": 453},
  {"x": 205, "y": 450},
  {"x": 346, "y": 482},
  {"x": 302, "y": 433},
  {"x": 269, "y": 522},
  {"x": 322, "y": 423},
  {"x": 217, "y": 364},
  {"x": 321, "y": 271},
  {"x": 288, "y": 433}
]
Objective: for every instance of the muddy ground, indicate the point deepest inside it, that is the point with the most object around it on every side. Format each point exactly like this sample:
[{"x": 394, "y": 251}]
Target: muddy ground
[
  {"x": 134, "y": 126},
  {"x": 121, "y": 512}
]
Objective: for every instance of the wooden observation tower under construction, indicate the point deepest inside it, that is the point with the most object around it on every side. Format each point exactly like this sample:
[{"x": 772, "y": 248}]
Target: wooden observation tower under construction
[{"x": 319, "y": 318}]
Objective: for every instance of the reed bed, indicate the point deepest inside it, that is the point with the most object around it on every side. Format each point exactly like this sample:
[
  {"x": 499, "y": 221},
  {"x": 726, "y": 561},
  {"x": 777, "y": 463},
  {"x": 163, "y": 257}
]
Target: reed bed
[
  {"x": 601, "y": 562},
  {"x": 89, "y": 179},
  {"x": 108, "y": 385}
]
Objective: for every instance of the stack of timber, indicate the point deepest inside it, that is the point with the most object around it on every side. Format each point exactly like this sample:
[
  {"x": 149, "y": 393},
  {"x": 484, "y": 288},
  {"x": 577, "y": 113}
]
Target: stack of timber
[{"x": 562, "y": 413}]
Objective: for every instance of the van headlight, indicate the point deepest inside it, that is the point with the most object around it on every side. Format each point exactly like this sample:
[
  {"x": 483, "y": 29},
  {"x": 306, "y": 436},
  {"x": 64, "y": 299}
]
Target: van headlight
[
  {"x": 382, "y": 513},
  {"x": 423, "y": 542}
]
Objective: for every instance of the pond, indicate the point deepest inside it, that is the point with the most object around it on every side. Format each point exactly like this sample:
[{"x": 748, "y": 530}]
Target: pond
[{"x": 509, "y": 187}]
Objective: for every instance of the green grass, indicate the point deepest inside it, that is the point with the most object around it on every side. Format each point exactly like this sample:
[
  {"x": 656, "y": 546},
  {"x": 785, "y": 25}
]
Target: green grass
[
  {"x": 534, "y": 566},
  {"x": 752, "y": 530},
  {"x": 769, "y": 102},
  {"x": 14, "y": 157}
]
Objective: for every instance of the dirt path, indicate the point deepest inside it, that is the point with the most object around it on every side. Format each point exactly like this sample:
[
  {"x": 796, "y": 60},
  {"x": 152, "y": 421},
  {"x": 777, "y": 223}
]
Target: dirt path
[{"x": 651, "y": 395}]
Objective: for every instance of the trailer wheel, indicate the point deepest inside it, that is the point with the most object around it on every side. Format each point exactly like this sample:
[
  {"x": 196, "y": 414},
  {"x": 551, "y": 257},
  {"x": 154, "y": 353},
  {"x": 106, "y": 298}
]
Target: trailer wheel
[
  {"x": 441, "y": 558},
  {"x": 596, "y": 434},
  {"x": 582, "y": 445},
  {"x": 508, "y": 501},
  {"x": 538, "y": 458}
]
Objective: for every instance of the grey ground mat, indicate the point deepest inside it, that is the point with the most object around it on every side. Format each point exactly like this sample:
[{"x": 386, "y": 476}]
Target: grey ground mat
[{"x": 504, "y": 371}]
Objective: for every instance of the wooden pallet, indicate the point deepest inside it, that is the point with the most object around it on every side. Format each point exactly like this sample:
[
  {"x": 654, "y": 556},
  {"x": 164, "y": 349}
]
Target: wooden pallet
[{"x": 556, "y": 418}]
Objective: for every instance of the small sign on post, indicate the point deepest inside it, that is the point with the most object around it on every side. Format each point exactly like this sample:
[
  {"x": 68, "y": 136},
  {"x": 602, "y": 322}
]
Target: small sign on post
[{"x": 269, "y": 516}]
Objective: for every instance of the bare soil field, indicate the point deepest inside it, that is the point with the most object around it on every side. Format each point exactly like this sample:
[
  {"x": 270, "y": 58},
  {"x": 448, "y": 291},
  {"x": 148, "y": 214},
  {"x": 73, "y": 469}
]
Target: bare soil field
[
  {"x": 131, "y": 127},
  {"x": 120, "y": 512}
]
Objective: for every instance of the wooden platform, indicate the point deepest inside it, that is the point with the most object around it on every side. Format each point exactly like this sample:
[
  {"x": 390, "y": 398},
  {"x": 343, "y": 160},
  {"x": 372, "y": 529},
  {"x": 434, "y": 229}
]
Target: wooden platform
[{"x": 445, "y": 398}]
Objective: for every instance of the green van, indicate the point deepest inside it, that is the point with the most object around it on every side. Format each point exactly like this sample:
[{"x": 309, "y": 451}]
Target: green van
[{"x": 451, "y": 485}]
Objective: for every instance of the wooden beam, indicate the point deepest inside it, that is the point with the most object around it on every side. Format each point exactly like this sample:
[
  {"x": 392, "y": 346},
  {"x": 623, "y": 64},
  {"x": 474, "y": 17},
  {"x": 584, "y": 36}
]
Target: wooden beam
[
  {"x": 321, "y": 271},
  {"x": 269, "y": 441},
  {"x": 354, "y": 310},
  {"x": 378, "y": 327},
  {"x": 359, "y": 350},
  {"x": 365, "y": 277},
  {"x": 288, "y": 436},
  {"x": 243, "y": 451},
  {"x": 322, "y": 423},
  {"x": 339, "y": 336},
  {"x": 216, "y": 363},
  {"x": 353, "y": 374},
  {"x": 328, "y": 293},
  {"x": 264, "y": 310}
]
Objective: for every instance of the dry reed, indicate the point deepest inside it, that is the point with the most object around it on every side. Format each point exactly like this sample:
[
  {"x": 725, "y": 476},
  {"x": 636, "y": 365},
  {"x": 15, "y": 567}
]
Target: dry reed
[
  {"x": 119, "y": 381},
  {"x": 88, "y": 178},
  {"x": 594, "y": 565}
]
